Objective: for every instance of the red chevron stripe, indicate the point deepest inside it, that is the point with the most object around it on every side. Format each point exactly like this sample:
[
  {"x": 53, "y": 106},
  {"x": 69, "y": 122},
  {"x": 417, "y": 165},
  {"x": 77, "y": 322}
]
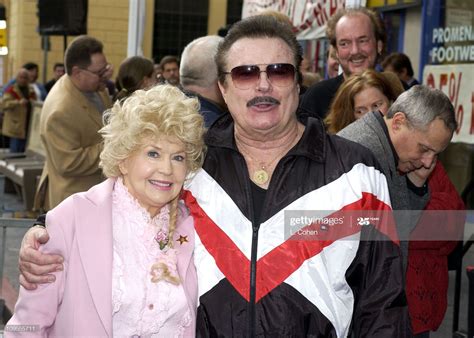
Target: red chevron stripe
[
  {"x": 277, "y": 265},
  {"x": 229, "y": 259}
]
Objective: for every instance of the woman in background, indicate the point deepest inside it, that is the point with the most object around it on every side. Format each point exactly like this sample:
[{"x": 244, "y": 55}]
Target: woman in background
[
  {"x": 136, "y": 72},
  {"x": 369, "y": 91}
]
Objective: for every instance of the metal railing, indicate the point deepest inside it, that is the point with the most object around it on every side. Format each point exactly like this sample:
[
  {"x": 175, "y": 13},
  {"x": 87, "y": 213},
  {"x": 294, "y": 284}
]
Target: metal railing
[
  {"x": 18, "y": 223},
  {"x": 10, "y": 223}
]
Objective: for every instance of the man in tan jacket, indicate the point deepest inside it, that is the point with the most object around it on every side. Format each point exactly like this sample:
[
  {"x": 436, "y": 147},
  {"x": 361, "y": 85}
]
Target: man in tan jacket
[
  {"x": 16, "y": 103},
  {"x": 70, "y": 121}
]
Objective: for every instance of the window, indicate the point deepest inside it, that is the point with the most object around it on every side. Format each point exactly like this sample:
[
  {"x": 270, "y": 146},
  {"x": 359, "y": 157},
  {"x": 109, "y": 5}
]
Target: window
[{"x": 176, "y": 23}]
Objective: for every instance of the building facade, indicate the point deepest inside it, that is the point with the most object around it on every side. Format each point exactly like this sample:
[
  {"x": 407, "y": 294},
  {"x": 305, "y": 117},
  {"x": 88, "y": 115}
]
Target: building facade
[{"x": 107, "y": 20}]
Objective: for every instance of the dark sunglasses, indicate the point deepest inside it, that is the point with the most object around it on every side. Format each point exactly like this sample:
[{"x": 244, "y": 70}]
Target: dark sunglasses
[{"x": 247, "y": 76}]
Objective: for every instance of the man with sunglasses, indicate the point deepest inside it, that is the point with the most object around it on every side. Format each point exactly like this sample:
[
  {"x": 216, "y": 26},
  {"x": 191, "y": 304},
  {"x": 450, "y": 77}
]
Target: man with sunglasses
[
  {"x": 257, "y": 275},
  {"x": 255, "y": 278},
  {"x": 70, "y": 120}
]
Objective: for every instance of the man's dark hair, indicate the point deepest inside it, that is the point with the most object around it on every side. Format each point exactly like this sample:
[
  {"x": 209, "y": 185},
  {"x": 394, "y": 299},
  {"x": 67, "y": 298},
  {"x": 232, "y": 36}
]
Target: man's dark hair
[
  {"x": 222, "y": 32},
  {"x": 398, "y": 61},
  {"x": 378, "y": 26},
  {"x": 168, "y": 59},
  {"x": 79, "y": 52},
  {"x": 30, "y": 66},
  {"x": 259, "y": 26},
  {"x": 57, "y": 65}
]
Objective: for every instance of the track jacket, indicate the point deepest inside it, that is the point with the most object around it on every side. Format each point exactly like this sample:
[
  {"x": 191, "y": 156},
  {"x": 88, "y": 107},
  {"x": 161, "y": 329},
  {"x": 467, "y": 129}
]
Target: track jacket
[{"x": 255, "y": 281}]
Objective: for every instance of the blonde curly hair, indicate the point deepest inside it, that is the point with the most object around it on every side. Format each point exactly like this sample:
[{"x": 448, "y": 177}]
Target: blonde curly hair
[{"x": 162, "y": 111}]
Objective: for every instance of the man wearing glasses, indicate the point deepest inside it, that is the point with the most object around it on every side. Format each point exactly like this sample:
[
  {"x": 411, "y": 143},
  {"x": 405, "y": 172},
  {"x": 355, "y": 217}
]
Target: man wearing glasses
[
  {"x": 258, "y": 274},
  {"x": 70, "y": 119}
]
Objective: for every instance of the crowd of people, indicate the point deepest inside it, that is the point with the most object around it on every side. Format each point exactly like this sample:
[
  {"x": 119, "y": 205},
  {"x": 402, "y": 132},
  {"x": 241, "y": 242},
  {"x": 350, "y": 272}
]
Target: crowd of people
[{"x": 169, "y": 211}]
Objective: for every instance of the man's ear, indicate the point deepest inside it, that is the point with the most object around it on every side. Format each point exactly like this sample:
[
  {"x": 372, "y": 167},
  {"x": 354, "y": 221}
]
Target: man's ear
[
  {"x": 75, "y": 71},
  {"x": 404, "y": 72},
  {"x": 379, "y": 47},
  {"x": 222, "y": 88},
  {"x": 399, "y": 120}
]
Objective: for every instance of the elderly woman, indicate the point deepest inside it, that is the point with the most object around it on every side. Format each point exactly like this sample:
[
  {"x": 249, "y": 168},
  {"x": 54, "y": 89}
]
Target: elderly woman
[
  {"x": 369, "y": 91},
  {"x": 128, "y": 242}
]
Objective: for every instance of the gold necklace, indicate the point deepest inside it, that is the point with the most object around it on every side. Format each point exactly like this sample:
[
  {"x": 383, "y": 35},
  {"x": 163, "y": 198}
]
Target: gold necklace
[{"x": 261, "y": 176}]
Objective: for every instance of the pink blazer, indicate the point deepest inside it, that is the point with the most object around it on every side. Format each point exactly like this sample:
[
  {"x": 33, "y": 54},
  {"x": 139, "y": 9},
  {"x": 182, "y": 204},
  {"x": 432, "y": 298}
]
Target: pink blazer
[{"x": 79, "y": 302}]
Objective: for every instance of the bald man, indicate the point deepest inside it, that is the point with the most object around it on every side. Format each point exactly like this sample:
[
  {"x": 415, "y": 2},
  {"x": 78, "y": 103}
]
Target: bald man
[{"x": 198, "y": 76}]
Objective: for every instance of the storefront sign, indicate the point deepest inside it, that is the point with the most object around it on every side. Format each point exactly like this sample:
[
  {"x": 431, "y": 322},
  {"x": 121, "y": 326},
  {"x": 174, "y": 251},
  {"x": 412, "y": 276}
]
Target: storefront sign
[
  {"x": 456, "y": 45},
  {"x": 456, "y": 81},
  {"x": 309, "y": 17}
]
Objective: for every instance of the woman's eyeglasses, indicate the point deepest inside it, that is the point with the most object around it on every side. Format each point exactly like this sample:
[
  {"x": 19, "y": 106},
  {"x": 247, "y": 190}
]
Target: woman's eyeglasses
[{"x": 247, "y": 76}]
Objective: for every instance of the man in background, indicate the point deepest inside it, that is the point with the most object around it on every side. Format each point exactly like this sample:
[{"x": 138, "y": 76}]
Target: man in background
[
  {"x": 400, "y": 64},
  {"x": 17, "y": 105},
  {"x": 170, "y": 69},
  {"x": 33, "y": 72},
  {"x": 358, "y": 37},
  {"x": 70, "y": 121},
  {"x": 198, "y": 76},
  {"x": 332, "y": 63},
  {"x": 58, "y": 71},
  {"x": 417, "y": 127}
]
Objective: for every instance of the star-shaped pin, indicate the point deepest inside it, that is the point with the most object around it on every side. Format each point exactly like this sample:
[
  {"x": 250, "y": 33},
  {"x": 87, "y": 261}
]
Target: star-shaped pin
[{"x": 182, "y": 239}]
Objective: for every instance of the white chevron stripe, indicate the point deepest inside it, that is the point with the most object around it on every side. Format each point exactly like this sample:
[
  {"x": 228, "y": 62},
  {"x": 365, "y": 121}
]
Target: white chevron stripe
[
  {"x": 321, "y": 279},
  {"x": 334, "y": 196},
  {"x": 208, "y": 273},
  {"x": 222, "y": 210}
]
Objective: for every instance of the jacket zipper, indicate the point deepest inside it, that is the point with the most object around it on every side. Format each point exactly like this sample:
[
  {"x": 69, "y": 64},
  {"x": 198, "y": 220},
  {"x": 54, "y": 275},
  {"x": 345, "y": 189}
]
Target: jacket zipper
[
  {"x": 253, "y": 280},
  {"x": 253, "y": 255}
]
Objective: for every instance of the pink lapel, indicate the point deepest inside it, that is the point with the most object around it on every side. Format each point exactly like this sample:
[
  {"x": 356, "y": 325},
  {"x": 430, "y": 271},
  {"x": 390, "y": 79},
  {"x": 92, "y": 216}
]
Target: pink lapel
[
  {"x": 94, "y": 236},
  {"x": 184, "y": 234}
]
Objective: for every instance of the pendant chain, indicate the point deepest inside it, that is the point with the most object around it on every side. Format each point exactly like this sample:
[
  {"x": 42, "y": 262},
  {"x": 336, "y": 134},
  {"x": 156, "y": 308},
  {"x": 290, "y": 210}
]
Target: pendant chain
[{"x": 262, "y": 175}]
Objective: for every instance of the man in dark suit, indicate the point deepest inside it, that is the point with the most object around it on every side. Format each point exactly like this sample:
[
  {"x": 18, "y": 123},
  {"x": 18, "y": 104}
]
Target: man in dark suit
[
  {"x": 59, "y": 71},
  {"x": 358, "y": 36}
]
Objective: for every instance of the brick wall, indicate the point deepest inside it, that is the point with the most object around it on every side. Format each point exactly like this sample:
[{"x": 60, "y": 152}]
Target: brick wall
[{"x": 107, "y": 21}]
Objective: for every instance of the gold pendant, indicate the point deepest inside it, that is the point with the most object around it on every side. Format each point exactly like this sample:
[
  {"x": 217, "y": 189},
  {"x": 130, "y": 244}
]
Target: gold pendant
[{"x": 260, "y": 177}]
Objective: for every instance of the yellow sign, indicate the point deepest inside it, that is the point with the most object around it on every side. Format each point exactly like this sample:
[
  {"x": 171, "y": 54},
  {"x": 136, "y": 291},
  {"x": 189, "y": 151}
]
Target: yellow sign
[
  {"x": 3, "y": 37},
  {"x": 383, "y": 3}
]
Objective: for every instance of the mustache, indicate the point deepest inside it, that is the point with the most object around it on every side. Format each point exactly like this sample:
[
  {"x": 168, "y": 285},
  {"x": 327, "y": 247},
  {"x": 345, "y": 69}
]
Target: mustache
[
  {"x": 357, "y": 56},
  {"x": 262, "y": 99}
]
